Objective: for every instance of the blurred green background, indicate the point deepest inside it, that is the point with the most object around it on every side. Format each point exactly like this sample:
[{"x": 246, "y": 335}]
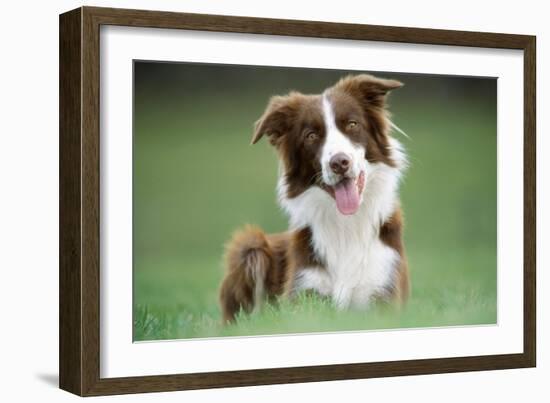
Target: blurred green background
[{"x": 197, "y": 179}]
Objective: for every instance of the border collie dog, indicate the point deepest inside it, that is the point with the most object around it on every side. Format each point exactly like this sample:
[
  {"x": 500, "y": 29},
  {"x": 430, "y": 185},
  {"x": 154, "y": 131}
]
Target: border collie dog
[{"x": 339, "y": 175}]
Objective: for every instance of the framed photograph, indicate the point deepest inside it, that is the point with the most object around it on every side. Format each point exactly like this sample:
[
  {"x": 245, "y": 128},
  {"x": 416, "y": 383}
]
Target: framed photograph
[{"x": 249, "y": 201}]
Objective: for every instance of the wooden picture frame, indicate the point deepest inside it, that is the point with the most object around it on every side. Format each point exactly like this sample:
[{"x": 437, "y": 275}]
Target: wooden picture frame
[{"x": 79, "y": 348}]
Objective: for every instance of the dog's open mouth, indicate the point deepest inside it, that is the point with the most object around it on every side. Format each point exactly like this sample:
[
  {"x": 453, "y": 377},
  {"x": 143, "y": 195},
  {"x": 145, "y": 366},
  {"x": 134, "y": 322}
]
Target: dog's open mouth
[{"x": 347, "y": 193}]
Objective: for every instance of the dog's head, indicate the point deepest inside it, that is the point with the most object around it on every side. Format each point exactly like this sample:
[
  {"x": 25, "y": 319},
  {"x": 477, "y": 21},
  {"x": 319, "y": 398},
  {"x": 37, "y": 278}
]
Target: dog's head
[{"x": 331, "y": 140}]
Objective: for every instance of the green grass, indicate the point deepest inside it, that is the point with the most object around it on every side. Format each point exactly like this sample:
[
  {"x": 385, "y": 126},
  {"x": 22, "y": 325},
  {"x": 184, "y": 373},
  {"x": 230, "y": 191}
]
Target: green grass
[
  {"x": 183, "y": 304},
  {"x": 196, "y": 180}
]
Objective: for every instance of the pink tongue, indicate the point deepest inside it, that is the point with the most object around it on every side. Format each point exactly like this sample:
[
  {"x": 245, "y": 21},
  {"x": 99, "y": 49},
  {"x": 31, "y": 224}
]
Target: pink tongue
[{"x": 347, "y": 196}]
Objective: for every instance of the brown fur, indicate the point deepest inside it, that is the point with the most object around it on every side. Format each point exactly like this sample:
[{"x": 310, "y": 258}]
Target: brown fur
[
  {"x": 300, "y": 255},
  {"x": 287, "y": 121},
  {"x": 391, "y": 233},
  {"x": 275, "y": 259},
  {"x": 294, "y": 125},
  {"x": 252, "y": 256},
  {"x": 369, "y": 109}
]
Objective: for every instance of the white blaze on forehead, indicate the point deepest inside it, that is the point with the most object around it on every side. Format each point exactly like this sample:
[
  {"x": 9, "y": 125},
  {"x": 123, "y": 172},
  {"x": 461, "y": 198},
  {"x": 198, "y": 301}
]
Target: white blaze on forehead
[
  {"x": 336, "y": 142},
  {"x": 328, "y": 115}
]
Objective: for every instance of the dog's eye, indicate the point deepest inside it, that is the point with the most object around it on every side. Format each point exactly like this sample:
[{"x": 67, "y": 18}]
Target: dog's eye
[
  {"x": 352, "y": 124},
  {"x": 311, "y": 136}
]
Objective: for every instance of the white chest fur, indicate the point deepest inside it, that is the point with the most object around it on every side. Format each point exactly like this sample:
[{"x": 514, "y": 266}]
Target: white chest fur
[{"x": 358, "y": 264}]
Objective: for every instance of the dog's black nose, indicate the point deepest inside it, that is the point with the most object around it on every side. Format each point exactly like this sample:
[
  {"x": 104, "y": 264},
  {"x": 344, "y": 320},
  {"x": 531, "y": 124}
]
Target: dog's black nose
[{"x": 339, "y": 163}]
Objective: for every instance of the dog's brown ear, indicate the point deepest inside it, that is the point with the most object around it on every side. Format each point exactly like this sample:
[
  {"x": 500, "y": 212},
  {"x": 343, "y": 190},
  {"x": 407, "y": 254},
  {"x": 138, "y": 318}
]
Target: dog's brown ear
[
  {"x": 371, "y": 92},
  {"x": 369, "y": 89},
  {"x": 277, "y": 119}
]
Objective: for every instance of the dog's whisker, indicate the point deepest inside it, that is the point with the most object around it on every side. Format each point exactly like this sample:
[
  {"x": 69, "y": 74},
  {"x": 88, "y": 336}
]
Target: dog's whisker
[{"x": 398, "y": 129}]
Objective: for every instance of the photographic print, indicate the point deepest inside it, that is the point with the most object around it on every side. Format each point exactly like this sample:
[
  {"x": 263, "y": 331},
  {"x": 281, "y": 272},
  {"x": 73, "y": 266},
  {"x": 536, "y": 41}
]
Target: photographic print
[
  {"x": 238, "y": 209},
  {"x": 274, "y": 200}
]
